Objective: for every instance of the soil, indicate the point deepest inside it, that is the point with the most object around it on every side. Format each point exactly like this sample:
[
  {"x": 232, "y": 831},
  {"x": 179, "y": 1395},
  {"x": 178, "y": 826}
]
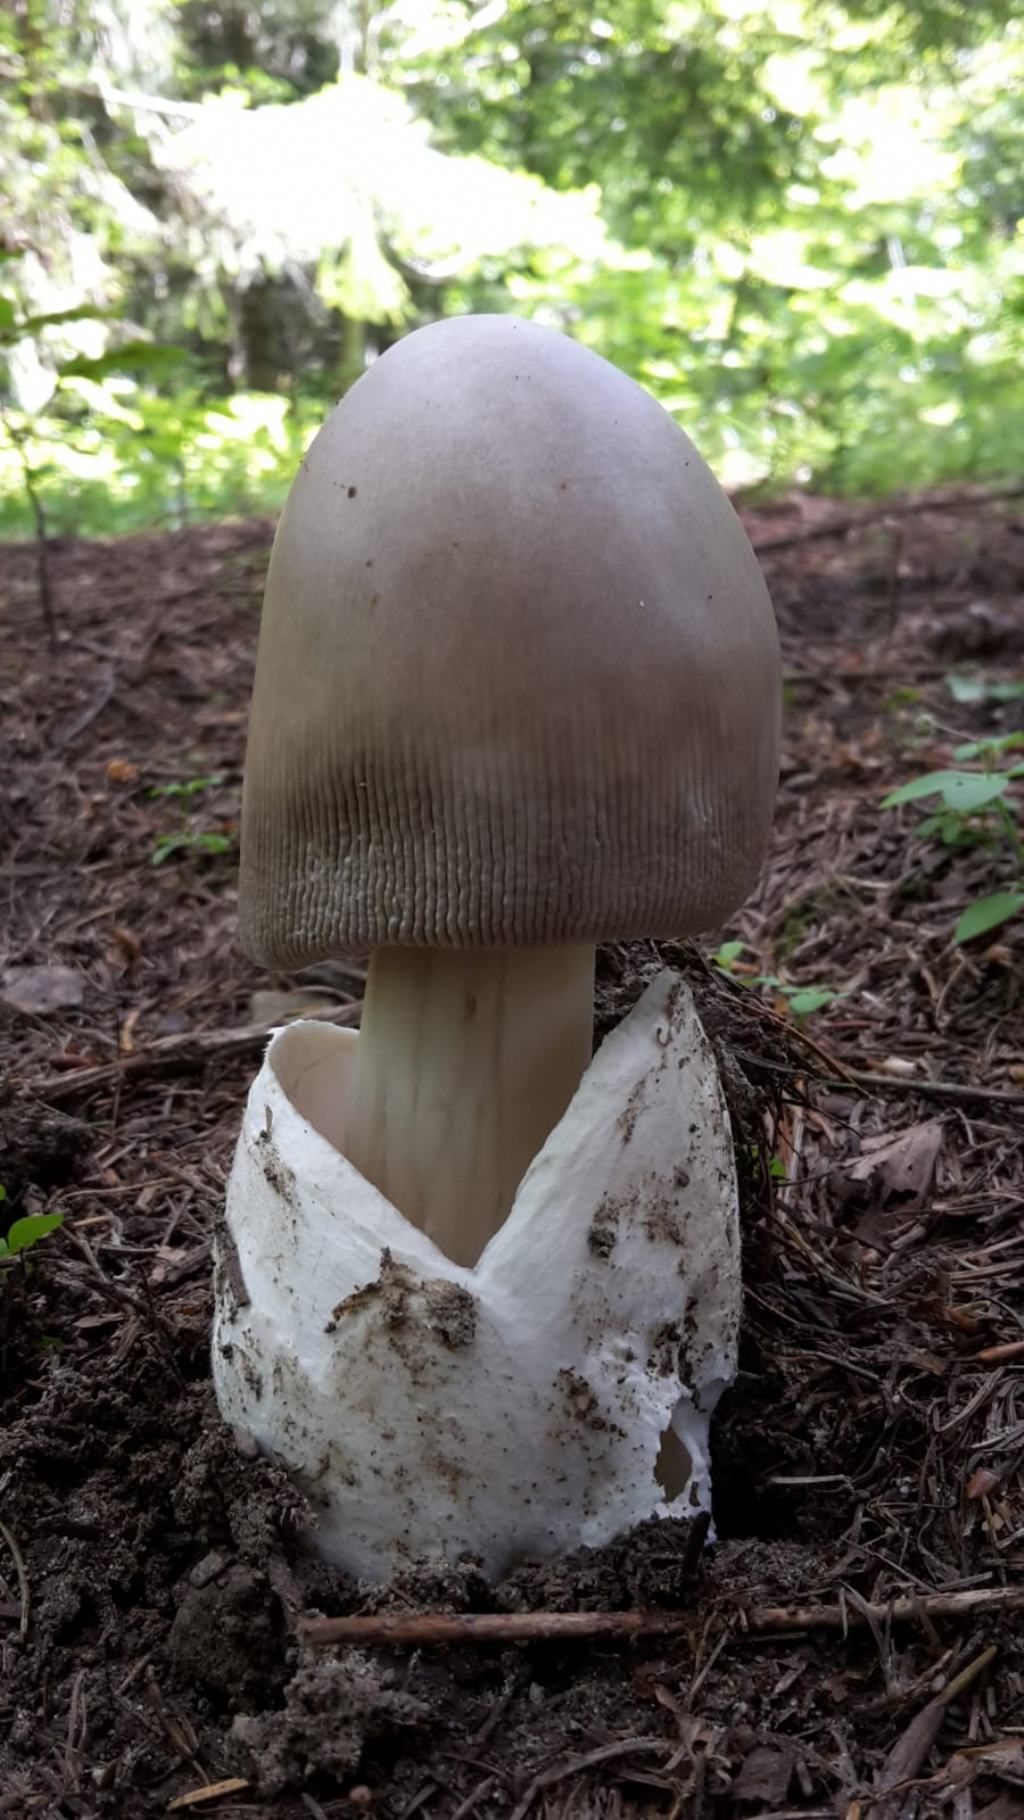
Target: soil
[{"x": 153, "y": 1581}]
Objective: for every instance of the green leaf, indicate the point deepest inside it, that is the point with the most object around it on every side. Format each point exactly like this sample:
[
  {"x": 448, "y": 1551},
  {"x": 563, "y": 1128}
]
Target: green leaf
[
  {"x": 53, "y": 319},
  {"x": 968, "y": 690},
  {"x": 978, "y": 748},
  {"x": 930, "y": 785},
  {"x": 30, "y": 1230},
  {"x": 969, "y": 790},
  {"x": 8, "y": 315},
  {"x": 192, "y": 788},
  {"x": 728, "y": 954},
  {"x": 960, "y": 790},
  {"x": 152, "y": 355},
  {"x": 987, "y": 913},
  {"x": 165, "y": 846},
  {"x": 810, "y": 998}
]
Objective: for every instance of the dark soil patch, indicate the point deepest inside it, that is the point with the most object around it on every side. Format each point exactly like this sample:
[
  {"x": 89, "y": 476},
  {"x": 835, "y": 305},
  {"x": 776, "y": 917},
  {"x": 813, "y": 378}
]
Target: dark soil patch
[{"x": 152, "y": 1580}]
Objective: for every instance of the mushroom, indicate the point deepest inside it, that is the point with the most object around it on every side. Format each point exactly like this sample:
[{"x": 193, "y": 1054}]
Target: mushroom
[{"x": 517, "y": 692}]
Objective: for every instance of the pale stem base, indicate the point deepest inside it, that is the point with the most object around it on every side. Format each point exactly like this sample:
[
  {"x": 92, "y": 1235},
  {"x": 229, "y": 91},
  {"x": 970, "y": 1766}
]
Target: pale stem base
[{"x": 465, "y": 1063}]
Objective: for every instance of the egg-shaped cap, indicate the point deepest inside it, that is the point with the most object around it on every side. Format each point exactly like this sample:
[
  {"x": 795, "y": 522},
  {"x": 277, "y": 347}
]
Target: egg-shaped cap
[{"x": 518, "y": 673}]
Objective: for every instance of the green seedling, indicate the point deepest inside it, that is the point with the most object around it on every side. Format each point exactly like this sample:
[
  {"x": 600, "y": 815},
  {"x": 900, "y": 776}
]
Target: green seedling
[
  {"x": 801, "y": 1001},
  {"x": 188, "y": 840},
  {"x": 728, "y": 954},
  {"x": 194, "y": 787},
  {"x": 26, "y": 1232}
]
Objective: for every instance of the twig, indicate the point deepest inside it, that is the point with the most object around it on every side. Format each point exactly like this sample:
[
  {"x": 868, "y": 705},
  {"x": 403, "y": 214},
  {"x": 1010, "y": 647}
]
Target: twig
[
  {"x": 766, "y": 1620},
  {"x": 936, "y": 1090},
  {"x": 174, "y": 1055},
  {"x": 955, "y": 1091},
  {"x": 22, "y": 1572},
  {"x": 998, "y": 1355},
  {"x": 904, "y": 508},
  {"x": 423, "y": 1629}
]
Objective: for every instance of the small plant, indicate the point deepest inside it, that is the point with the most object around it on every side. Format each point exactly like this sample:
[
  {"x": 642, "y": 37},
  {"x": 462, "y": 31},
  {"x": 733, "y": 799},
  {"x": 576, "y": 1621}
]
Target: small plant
[
  {"x": 977, "y": 691},
  {"x": 26, "y": 1232},
  {"x": 975, "y": 808},
  {"x": 194, "y": 787},
  {"x": 801, "y": 1001},
  {"x": 188, "y": 839}
]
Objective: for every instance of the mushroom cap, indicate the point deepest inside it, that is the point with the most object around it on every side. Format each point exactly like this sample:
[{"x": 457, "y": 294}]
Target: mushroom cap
[{"x": 518, "y": 676}]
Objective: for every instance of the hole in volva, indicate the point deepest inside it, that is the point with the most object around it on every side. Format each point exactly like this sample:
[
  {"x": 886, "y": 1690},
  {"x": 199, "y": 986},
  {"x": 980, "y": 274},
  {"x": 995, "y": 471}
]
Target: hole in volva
[{"x": 673, "y": 1466}]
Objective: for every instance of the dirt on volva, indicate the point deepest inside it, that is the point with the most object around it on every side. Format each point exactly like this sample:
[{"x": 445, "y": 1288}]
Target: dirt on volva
[{"x": 850, "y": 1644}]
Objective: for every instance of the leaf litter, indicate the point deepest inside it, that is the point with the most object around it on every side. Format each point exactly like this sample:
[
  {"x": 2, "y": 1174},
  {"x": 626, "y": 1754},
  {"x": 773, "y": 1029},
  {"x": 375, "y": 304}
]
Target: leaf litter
[{"x": 850, "y": 1644}]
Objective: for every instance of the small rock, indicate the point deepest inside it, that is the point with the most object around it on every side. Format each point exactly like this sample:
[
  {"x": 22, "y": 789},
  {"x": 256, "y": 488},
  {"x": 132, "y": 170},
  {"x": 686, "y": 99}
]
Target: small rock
[
  {"x": 209, "y": 1568},
  {"x": 37, "y": 991}
]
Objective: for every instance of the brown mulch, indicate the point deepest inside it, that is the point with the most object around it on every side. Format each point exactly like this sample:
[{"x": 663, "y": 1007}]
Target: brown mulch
[{"x": 152, "y": 1583}]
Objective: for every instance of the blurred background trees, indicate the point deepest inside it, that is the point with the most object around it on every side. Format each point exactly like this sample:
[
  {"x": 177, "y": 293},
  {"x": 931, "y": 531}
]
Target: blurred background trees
[{"x": 797, "y": 221}]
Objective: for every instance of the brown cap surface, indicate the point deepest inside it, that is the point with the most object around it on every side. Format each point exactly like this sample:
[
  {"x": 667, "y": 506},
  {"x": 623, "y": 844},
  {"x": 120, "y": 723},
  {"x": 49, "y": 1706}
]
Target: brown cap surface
[{"x": 518, "y": 676}]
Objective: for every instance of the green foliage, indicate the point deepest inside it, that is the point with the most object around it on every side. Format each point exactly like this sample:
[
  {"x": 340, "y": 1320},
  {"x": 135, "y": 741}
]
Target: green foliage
[
  {"x": 977, "y": 691},
  {"x": 728, "y": 954},
  {"x": 796, "y": 221},
  {"x": 962, "y": 792},
  {"x": 189, "y": 839},
  {"x": 976, "y": 808},
  {"x": 23, "y": 1234},
  {"x": 988, "y": 913},
  {"x": 119, "y": 458},
  {"x": 800, "y": 1001},
  {"x": 194, "y": 787},
  {"x": 817, "y": 205}
]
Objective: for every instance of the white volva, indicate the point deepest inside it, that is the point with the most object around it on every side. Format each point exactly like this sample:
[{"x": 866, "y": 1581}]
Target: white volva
[{"x": 520, "y": 1406}]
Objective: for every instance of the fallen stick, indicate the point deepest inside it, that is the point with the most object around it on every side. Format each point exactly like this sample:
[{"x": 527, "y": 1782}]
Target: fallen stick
[
  {"x": 998, "y": 1355},
  {"x": 954, "y": 1091},
  {"x": 937, "y": 1090},
  {"x": 906, "y": 508},
  {"x": 174, "y": 1055},
  {"x": 423, "y": 1630},
  {"x": 765, "y": 1620}
]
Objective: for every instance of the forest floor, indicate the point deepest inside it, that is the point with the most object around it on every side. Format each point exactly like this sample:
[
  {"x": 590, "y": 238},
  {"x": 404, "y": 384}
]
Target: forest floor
[{"x": 853, "y": 1643}]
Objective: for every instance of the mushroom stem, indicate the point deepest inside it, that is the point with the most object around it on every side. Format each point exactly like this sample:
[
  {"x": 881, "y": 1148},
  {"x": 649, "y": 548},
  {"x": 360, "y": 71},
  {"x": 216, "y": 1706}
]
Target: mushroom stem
[{"x": 465, "y": 1063}]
